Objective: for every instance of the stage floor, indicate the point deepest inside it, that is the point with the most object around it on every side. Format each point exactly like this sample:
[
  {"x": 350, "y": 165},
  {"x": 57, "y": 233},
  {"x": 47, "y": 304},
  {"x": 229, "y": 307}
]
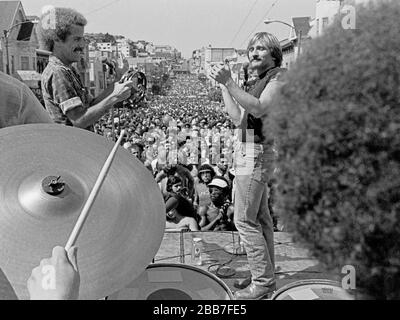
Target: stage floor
[{"x": 293, "y": 262}]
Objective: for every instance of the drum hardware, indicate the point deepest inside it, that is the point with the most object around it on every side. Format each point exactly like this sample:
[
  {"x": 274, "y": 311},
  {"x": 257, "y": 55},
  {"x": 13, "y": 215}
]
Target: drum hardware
[
  {"x": 47, "y": 177},
  {"x": 53, "y": 186},
  {"x": 174, "y": 282},
  {"x": 312, "y": 289},
  {"x": 235, "y": 248},
  {"x": 138, "y": 93}
]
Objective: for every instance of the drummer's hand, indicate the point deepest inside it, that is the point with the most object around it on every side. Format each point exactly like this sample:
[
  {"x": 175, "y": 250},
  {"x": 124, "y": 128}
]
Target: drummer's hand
[
  {"x": 122, "y": 91},
  {"x": 56, "y": 278}
]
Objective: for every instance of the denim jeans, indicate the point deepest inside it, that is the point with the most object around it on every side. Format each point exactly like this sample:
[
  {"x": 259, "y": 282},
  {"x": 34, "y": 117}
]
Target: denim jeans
[{"x": 254, "y": 165}]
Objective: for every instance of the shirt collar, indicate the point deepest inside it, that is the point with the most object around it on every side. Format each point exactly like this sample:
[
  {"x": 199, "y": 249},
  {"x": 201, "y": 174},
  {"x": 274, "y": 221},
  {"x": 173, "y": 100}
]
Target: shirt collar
[{"x": 56, "y": 60}]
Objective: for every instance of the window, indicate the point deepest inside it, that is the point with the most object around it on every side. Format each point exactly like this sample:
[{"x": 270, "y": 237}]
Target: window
[
  {"x": 12, "y": 64},
  {"x": 325, "y": 22},
  {"x": 101, "y": 80},
  {"x": 34, "y": 66},
  {"x": 24, "y": 63}
]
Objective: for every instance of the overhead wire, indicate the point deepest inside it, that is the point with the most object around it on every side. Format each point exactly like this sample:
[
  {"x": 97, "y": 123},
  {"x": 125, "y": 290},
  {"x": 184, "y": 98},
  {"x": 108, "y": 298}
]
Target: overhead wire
[
  {"x": 244, "y": 21},
  {"x": 102, "y": 7},
  {"x": 263, "y": 17}
]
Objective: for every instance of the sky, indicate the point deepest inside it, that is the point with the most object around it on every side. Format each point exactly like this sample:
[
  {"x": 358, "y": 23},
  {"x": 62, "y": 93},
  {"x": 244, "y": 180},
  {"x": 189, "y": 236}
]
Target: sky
[{"x": 186, "y": 25}]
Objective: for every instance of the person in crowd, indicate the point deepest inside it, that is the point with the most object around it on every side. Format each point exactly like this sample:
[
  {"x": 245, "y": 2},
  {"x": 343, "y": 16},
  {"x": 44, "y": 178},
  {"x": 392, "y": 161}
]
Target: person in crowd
[
  {"x": 221, "y": 170},
  {"x": 180, "y": 212},
  {"x": 202, "y": 194},
  {"x": 218, "y": 215},
  {"x": 254, "y": 158},
  {"x": 179, "y": 171},
  {"x": 66, "y": 98}
]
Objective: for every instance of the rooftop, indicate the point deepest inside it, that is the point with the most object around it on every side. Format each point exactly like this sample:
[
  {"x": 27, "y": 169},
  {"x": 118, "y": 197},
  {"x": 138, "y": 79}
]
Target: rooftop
[{"x": 7, "y": 13}]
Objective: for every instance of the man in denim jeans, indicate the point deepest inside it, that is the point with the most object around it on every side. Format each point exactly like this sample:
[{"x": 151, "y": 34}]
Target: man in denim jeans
[{"x": 254, "y": 159}]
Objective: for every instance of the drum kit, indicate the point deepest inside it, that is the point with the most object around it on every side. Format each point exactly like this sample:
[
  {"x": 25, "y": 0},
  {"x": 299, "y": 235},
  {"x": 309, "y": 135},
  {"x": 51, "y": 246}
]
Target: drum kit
[
  {"x": 61, "y": 186},
  {"x": 47, "y": 174}
]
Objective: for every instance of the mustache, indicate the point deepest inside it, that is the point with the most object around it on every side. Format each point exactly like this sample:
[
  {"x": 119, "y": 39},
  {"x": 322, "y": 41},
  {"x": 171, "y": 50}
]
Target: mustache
[{"x": 78, "y": 49}]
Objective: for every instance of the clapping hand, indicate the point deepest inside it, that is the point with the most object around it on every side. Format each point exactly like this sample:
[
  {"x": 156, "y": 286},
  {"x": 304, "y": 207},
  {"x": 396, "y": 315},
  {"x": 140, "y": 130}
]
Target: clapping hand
[{"x": 221, "y": 73}]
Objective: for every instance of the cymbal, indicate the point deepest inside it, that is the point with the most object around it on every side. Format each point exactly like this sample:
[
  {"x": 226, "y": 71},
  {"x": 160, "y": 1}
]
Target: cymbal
[{"x": 47, "y": 172}]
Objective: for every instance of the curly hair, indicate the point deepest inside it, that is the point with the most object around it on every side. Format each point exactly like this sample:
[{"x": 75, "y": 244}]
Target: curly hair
[
  {"x": 171, "y": 181},
  {"x": 64, "y": 19}
]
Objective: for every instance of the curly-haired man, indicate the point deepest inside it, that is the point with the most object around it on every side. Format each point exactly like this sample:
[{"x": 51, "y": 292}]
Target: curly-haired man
[{"x": 61, "y": 31}]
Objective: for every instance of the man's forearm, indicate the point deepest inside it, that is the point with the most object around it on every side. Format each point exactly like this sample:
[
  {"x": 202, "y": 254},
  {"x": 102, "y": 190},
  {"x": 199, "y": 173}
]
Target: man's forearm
[
  {"x": 93, "y": 113},
  {"x": 231, "y": 106},
  {"x": 105, "y": 93},
  {"x": 250, "y": 103}
]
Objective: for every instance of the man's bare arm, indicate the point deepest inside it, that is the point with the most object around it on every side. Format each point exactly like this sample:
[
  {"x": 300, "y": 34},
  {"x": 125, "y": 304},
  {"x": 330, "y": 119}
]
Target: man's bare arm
[
  {"x": 231, "y": 107},
  {"x": 257, "y": 107},
  {"x": 83, "y": 117}
]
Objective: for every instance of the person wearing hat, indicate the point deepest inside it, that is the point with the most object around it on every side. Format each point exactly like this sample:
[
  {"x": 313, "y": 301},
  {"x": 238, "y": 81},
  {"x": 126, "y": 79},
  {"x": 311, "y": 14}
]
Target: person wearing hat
[
  {"x": 202, "y": 194},
  {"x": 218, "y": 215}
]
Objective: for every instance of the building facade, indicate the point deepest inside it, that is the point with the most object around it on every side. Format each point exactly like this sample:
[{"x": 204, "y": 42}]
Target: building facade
[{"x": 19, "y": 43}]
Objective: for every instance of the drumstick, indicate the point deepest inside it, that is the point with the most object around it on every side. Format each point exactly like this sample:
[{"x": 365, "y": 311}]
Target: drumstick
[{"x": 93, "y": 194}]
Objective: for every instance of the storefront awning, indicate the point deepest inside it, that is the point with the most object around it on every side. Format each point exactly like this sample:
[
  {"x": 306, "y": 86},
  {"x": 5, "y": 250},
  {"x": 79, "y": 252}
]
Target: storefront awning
[{"x": 29, "y": 75}]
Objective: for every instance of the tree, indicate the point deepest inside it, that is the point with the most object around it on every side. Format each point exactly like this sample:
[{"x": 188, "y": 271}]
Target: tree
[
  {"x": 109, "y": 38},
  {"x": 337, "y": 127}
]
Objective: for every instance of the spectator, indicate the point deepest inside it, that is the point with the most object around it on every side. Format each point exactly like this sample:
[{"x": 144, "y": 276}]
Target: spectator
[
  {"x": 180, "y": 212},
  {"x": 218, "y": 215}
]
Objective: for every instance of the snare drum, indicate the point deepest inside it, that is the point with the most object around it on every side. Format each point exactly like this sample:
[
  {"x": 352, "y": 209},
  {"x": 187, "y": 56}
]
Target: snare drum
[
  {"x": 174, "y": 282},
  {"x": 312, "y": 289}
]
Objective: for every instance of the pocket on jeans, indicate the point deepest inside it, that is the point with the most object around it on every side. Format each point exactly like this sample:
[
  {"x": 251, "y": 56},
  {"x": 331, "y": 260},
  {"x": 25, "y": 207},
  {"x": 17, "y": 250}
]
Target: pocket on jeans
[{"x": 245, "y": 165}]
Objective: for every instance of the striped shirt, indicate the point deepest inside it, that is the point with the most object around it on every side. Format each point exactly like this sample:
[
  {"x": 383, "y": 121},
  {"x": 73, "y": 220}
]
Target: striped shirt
[{"x": 63, "y": 91}]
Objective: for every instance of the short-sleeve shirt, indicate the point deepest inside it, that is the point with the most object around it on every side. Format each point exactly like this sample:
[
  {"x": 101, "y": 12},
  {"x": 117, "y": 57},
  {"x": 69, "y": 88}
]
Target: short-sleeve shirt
[
  {"x": 63, "y": 91},
  {"x": 18, "y": 104}
]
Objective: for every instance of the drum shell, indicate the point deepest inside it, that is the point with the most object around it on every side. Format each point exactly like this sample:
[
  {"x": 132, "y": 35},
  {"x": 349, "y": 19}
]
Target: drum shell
[
  {"x": 312, "y": 289},
  {"x": 174, "y": 282}
]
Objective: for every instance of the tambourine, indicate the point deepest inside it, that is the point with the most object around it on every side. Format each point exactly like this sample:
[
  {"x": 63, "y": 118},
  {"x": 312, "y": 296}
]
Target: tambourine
[{"x": 138, "y": 91}]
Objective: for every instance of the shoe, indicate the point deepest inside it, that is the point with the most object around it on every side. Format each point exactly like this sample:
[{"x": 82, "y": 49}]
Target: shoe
[
  {"x": 241, "y": 284},
  {"x": 255, "y": 292}
]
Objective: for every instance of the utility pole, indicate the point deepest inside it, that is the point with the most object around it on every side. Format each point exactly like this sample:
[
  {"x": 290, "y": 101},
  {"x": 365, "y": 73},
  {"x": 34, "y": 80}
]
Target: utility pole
[
  {"x": 7, "y": 57},
  {"x": 299, "y": 43}
]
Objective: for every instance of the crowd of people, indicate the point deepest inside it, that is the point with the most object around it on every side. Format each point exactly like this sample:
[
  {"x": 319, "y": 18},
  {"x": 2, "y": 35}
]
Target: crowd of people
[
  {"x": 184, "y": 139},
  {"x": 190, "y": 146}
]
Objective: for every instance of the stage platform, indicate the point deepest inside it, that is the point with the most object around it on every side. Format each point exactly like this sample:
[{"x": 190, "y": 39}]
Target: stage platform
[{"x": 293, "y": 262}]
